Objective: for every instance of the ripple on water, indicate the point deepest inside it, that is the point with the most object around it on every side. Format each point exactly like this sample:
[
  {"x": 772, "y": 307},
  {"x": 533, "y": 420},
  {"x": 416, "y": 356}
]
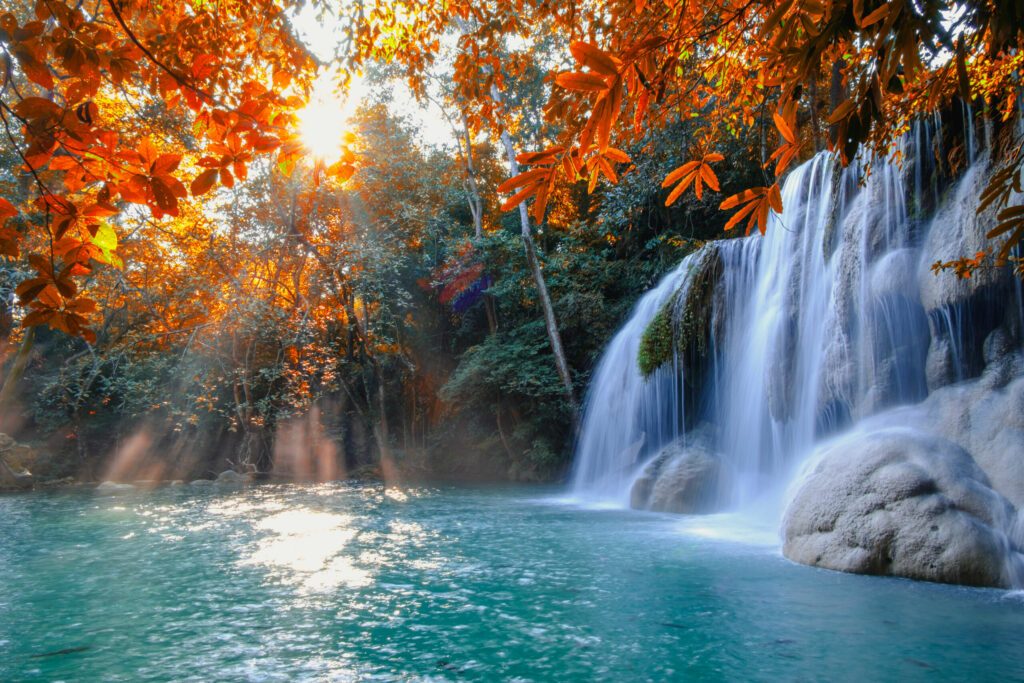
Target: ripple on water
[{"x": 343, "y": 583}]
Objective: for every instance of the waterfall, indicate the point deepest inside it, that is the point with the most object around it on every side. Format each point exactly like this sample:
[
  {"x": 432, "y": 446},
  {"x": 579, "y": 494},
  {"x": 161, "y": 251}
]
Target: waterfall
[
  {"x": 813, "y": 327},
  {"x": 627, "y": 417}
]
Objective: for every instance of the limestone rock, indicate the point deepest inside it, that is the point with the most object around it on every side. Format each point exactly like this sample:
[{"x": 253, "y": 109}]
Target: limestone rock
[
  {"x": 686, "y": 477},
  {"x": 905, "y": 503},
  {"x": 940, "y": 365},
  {"x": 893, "y": 275},
  {"x": 956, "y": 231},
  {"x": 987, "y": 422}
]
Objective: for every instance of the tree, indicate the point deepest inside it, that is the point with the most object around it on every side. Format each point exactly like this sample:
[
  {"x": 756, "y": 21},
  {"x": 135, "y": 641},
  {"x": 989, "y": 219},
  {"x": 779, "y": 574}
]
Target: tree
[
  {"x": 727, "y": 64},
  {"x": 79, "y": 92}
]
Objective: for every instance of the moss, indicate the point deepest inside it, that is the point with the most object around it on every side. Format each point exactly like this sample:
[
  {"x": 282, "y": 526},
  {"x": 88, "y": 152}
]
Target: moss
[
  {"x": 693, "y": 321},
  {"x": 684, "y": 321},
  {"x": 657, "y": 344}
]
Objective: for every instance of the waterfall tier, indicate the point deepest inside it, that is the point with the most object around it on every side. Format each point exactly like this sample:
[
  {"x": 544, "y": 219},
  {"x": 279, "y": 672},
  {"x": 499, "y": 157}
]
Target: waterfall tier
[{"x": 755, "y": 353}]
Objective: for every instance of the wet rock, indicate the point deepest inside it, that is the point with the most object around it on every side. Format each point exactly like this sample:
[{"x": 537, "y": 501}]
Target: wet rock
[
  {"x": 16, "y": 462},
  {"x": 63, "y": 482},
  {"x": 198, "y": 483},
  {"x": 232, "y": 478},
  {"x": 15, "y": 481},
  {"x": 988, "y": 423},
  {"x": 958, "y": 231},
  {"x": 114, "y": 487},
  {"x": 902, "y": 502},
  {"x": 894, "y": 274},
  {"x": 940, "y": 363},
  {"x": 686, "y": 477},
  {"x": 1002, "y": 360}
]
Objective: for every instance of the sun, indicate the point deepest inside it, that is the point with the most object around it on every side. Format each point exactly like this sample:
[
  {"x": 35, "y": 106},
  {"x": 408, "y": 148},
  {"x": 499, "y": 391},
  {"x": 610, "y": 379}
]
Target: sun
[{"x": 322, "y": 123}]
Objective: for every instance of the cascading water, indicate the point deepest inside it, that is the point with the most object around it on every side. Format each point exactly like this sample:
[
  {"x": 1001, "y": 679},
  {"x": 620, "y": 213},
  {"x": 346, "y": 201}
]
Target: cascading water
[
  {"x": 627, "y": 417},
  {"x": 813, "y": 327}
]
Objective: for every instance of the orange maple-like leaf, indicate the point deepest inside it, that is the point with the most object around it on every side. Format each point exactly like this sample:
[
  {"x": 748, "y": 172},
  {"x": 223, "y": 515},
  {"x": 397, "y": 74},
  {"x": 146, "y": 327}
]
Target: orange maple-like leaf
[
  {"x": 758, "y": 202},
  {"x": 696, "y": 173}
]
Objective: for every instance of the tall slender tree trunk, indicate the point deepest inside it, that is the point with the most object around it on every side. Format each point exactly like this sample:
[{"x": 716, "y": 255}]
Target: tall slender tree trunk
[
  {"x": 476, "y": 208},
  {"x": 554, "y": 336},
  {"x": 476, "y": 205},
  {"x": 17, "y": 370}
]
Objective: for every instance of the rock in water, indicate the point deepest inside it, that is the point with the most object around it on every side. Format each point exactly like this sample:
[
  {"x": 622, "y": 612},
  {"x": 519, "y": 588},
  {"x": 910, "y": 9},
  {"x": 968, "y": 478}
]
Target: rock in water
[
  {"x": 15, "y": 461},
  {"x": 685, "y": 477},
  {"x": 232, "y": 478},
  {"x": 113, "y": 487},
  {"x": 902, "y": 503}
]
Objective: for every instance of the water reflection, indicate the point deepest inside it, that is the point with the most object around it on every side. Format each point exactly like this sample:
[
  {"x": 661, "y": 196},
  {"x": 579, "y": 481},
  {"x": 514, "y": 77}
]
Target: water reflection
[
  {"x": 453, "y": 585},
  {"x": 306, "y": 548}
]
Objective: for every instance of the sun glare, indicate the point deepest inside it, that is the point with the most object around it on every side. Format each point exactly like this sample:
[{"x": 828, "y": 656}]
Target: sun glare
[{"x": 323, "y": 121}]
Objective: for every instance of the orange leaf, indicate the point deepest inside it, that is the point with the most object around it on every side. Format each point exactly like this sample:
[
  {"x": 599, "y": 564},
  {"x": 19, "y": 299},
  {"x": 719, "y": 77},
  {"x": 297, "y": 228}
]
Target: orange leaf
[
  {"x": 709, "y": 177},
  {"x": 675, "y": 175},
  {"x": 742, "y": 197},
  {"x": 7, "y": 209},
  {"x": 875, "y": 16},
  {"x": 578, "y": 80},
  {"x": 163, "y": 196},
  {"x": 784, "y": 128},
  {"x": 523, "y": 179},
  {"x": 617, "y": 155},
  {"x": 35, "y": 107},
  {"x": 595, "y": 58},
  {"x": 166, "y": 163},
  {"x": 842, "y": 111},
  {"x": 520, "y": 197},
  {"x": 739, "y": 215},
  {"x": 775, "y": 198},
  {"x": 204, "y": 182}
]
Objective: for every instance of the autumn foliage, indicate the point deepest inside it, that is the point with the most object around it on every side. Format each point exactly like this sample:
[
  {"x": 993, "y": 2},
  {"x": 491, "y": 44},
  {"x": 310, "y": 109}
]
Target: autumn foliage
[
  {"x": 838, "y": 73},
  {"x": 82, "y": 85},
  {"x": 81, "y": 88}
]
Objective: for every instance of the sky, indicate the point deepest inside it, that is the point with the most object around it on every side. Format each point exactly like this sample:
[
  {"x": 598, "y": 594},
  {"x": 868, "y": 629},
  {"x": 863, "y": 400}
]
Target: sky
[{"x": 323, "y": 39}]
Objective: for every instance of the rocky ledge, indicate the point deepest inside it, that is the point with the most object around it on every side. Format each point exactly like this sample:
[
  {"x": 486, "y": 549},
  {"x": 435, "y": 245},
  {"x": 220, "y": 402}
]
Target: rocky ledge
[{"x": 902, "y": 502}]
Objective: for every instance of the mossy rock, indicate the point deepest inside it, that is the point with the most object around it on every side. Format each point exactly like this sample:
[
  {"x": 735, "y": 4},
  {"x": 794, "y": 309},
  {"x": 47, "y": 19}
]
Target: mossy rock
[
  {"x": 657, "y": 344},
  {"x": 683, "y": 323}
]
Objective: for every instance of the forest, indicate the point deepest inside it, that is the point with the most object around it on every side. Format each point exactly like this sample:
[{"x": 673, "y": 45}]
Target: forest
[
  {"x": 511, "y": 340},
  {"x": 194, "y": 281}
]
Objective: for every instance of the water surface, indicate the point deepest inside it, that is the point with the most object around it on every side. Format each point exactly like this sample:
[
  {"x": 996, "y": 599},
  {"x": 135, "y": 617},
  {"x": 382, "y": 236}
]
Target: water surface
[{"x": 339, "y": 582}]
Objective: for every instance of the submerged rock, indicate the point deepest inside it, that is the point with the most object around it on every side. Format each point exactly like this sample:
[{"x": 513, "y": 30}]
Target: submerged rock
[
  {"x": 686, "y": 477},
  {"x": 16, "y": 460},
  {"x": 114, "y": 487},
  {"x": 230, "y": 477},
  {"x": 198, "y": 483},
  {"x": 903, "y": 503}
]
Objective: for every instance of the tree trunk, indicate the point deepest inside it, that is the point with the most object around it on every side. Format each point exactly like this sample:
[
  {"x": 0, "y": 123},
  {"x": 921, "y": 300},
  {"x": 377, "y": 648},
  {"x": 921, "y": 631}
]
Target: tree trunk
[
  {"x": 538, "y": 278},
  {"x": 836, "y": 93},
  {"x": 17, "y": 370},
  {"x": 476, "y": 208},
  {"x": 476, "y": 205}
]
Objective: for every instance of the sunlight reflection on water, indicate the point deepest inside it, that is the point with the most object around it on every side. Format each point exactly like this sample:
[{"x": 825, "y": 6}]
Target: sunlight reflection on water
[
  {"x": 337, "y": 582},
  {"x": 306, "y": 548}
]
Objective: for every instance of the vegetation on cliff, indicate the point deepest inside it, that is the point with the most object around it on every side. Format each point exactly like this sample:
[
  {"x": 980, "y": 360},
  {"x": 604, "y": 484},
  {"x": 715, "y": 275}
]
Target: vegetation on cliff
[{"x": 195, "y": 268}]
